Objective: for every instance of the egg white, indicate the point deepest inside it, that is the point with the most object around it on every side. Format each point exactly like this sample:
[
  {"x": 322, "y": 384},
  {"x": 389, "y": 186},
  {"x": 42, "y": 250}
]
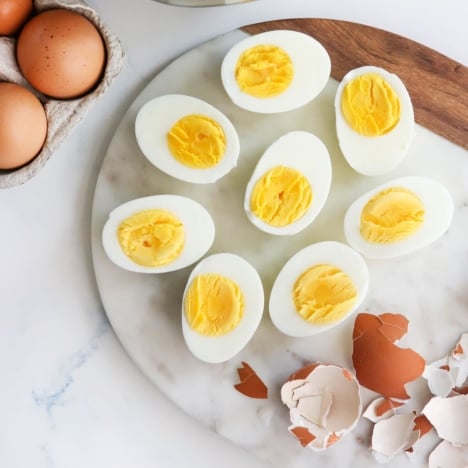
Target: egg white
[
  {"x": 311, "y": 64},
  {"x": 378, "y": 155},
  {"x": 438, "y": 205},
  {"x": 156, "y": 118},
  {"x": 198, "y": 225},
  {"x": 281, "y": 305},
  {"x": 215, "y": 349},
  {"x": 307, "y": 154}
]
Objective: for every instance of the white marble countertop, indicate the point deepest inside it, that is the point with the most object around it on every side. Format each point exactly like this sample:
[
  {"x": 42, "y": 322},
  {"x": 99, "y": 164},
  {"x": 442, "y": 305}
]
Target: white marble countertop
[{"x": 69, "y": 394}]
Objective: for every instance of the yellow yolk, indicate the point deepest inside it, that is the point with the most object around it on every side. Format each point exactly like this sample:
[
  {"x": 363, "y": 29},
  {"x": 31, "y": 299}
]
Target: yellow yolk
[
  {"x": 370, "y": 105},
  {"x": 281, "y": 196},
  {"x": 392, "y": 215},
  {"x": 264, "y": 71},
  {"x": 323, "y": 294},
  {"x": 197, "y": 141},
  {"x": 214, "y": 305},
  {"x": 152, "y": 237}
]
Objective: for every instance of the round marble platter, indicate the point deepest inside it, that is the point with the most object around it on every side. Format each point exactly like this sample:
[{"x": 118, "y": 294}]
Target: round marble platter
[{"x": 428, "y": 286}]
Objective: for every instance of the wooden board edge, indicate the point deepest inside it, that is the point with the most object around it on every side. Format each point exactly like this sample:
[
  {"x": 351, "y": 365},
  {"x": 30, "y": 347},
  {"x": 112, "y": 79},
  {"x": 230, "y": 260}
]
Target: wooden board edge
[{"x": 437, "y": 84}]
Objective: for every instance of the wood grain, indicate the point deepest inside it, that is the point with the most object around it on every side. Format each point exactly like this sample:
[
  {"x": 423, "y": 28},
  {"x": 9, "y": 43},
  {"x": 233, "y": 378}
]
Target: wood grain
[{"x": 438, "y": 85}]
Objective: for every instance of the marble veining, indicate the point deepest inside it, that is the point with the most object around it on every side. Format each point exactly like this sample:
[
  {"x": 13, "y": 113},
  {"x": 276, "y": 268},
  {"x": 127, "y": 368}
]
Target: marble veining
[
  {"x": 54, "y": 396},
  {"x": 429, "y": 286}
]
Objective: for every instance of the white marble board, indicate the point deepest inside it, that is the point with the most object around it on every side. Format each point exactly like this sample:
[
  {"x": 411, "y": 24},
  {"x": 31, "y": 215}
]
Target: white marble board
[{"x": 429, "y": 286}]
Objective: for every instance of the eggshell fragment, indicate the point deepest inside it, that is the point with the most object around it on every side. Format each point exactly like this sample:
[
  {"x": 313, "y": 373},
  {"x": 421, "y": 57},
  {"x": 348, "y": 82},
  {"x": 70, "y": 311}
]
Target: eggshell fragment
[
  {"x": 381, "y": 408},
  {"x": 446, "y": 455},
  {"x": 397, "y": 434},
  {"x": 449, "y": 416},
  {"x": 380, "y": 365},
  {"x": 250, "y": 385},
  {"x": 324, "y": 404},
  {"x": 449, "y": 375}
]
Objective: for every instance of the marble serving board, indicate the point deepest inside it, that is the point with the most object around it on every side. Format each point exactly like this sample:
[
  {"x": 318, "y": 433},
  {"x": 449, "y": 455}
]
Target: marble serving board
[{"x": 429, "y": 286}]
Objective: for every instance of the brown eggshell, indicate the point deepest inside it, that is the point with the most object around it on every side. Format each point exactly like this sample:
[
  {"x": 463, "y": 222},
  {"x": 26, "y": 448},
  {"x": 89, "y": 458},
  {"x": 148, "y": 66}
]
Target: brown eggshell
[
  {"x": 250, "y": 385},
  {"x": 23, "y": 125},
  {"x": 380, "y": 365},
  {"x": 386, "y": 405},
  {"x": 422, "y": 425},
  {"x": 61, "y": 53},
  {"x": 302, "y": 434},
  {"x": 13, "y": 14}
]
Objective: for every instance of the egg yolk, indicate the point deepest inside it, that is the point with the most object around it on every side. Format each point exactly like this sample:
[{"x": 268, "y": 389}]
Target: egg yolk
[
  {"x": 370, "y": 105},
  {"x": 264, "y": 71},
  {"x": 214, "y": 305},
  {"x": 323, "y": 294},
  {"x": 152, "y": 237},
  {"x": 281, "y": 196},
  {"x": 391, "y": 215},
  {"x": 197, "y": 141}
]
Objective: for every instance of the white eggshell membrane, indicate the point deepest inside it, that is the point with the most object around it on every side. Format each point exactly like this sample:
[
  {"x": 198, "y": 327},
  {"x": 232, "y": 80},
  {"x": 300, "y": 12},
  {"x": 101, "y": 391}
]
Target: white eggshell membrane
[
  {"x": 311, "y": 64},
  {"x": 446, "y": 455},
  {"x": 307, "y": 154},
  {"x": 393, "y": 436},
  {"x": 449, "y": 372},
  {"x": 281, "y": 304},
  {"x": 198, "y": 224},
  {"x": 156, "y": 118},
  {"x": 376, "y": 155},
  {"x": 216, "y": 349},
  {"x": 438, "y": 205},
  {"x": 327, "y": 402},
  {"x": 449, "y": 417},
  {"x": 372, "y": 409}
]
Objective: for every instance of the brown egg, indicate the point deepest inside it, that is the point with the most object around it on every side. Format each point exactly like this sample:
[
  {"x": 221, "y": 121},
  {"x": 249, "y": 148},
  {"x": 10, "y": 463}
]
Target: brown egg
[
  {"x": 23, "y": 125},
  {"x": 13, "y": 14},
  {"x": 61, "y": 53}
]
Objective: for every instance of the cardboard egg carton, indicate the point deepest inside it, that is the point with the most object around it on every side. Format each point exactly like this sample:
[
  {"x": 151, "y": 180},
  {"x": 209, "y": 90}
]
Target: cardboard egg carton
[{"x": 62, "y": 115}]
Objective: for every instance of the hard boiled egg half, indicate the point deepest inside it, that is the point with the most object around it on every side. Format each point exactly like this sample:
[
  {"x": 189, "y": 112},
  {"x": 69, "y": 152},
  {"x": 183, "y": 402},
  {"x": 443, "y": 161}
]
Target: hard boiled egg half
[
  {"x": 275, "y": 71},
  {"x": 290, "y": 184},
  {"x": 187, "y": 138},
  {"x": 158, "y": 234},
  {"x": 318, "y": 288},
  {"x": 398, "y": 217},
  {"x": 374, "y": 120},
  {"x": 222, "y": 307}
]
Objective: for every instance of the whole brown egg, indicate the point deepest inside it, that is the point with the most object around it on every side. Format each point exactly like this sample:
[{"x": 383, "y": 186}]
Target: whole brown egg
[
  {"x": 61, "y": 53},
  {"x": 13, "y": 13},
  {"x": 23, "y": 125}
]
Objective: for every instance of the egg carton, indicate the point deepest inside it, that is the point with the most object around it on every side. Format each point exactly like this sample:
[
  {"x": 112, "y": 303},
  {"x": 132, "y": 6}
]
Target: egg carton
[{"x": 62, "y": 115}]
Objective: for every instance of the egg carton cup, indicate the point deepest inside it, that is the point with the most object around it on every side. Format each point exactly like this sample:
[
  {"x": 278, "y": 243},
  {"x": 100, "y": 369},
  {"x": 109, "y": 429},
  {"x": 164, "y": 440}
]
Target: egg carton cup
[{"x": 62, "y": 115}]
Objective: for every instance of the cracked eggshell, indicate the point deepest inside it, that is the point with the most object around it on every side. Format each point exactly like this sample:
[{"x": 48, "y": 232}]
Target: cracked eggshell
[
  {"x": 393, "y": 435},
  {"x": 449, "y": 416},
  {"x": 380, "y": 364},
  {"x": 446, "y": 455},
  {"x": 250, "y": 384},
  {"x": 324, "y": 404},
  {"x": 448, "y": 375},
  {"x": 381, "y": 408}
]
